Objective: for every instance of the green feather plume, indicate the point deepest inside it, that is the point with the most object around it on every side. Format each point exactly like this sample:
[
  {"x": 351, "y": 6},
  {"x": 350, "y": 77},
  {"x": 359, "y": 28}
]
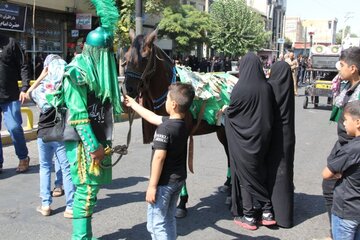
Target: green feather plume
[{"x": 108, "y": 13}]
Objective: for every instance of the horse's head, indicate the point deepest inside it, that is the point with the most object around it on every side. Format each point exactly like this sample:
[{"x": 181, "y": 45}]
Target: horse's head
[
  {"x": 148, "y": 73},
  {"x": 137, "y": 58}
]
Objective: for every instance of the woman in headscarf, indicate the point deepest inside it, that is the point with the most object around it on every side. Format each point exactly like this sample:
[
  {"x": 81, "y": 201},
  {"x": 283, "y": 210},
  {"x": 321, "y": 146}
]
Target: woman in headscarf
[
  {"x": 280, "y": 161},
  {"x": 248, "y": 124}
]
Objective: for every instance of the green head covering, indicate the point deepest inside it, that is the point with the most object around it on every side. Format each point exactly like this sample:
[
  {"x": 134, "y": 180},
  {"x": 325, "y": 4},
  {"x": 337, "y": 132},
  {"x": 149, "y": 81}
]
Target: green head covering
[
  {"x": 108, "y": 13},
  {"x": 96, "y": 63},
  {"x": 99, "y": 38}
]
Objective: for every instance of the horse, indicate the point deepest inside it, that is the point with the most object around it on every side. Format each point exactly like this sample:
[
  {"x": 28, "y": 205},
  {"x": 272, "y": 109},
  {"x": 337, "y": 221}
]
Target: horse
[{"x": 148, "y": 73}]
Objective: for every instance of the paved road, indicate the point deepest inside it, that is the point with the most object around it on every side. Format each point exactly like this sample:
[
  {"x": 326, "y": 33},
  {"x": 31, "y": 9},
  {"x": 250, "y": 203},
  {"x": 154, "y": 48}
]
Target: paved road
[{"x": 121, "y": 210}]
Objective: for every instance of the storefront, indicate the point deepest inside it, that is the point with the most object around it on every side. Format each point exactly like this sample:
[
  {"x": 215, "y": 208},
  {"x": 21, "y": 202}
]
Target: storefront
[{"x": 56, "y": 32}]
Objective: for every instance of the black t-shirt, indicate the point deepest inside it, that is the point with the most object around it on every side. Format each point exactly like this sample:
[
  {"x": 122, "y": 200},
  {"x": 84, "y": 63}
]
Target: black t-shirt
[
  {"x": 172, "y": 136},
  {"x": 346, "y": 203}
]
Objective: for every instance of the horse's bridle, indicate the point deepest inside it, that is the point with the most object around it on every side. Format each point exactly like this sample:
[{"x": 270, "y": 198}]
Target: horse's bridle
[{"x": 141, "y": 77}]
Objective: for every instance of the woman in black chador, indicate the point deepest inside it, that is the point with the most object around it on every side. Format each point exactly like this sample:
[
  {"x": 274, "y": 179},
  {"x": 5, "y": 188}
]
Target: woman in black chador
[
  {"x": 280, "y": 163},
  {"x": 248, "y": 125}
]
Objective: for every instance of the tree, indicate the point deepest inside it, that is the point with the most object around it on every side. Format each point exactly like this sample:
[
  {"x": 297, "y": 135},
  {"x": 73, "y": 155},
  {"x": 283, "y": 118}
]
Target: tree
[
  {"x": 185, "y": 25},
  {"x": 236, "y": 28},
  {"x": 126, "y": 22},
  {"x": 288, "y": 43},
  {"x": 340, "y": 34},
  {"x": 127, "y": 16}
]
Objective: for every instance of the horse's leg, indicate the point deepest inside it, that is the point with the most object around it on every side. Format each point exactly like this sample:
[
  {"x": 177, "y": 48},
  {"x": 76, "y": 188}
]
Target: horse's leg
[
  {"x": 181, "y": 210},
  {"x": 220, "y": 132}
]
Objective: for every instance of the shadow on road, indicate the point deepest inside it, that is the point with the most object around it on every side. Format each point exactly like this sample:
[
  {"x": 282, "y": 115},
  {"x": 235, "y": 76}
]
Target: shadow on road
[
  {"x": 124, "y": 182},
  {"x": 11, "y": 172},
  {"x": 203, "y": 215},
  {"x": 307, "y": 206},
  {"x": 118, "y": 199},
  {"x": 136, "y": 232},
  {"x": 207, "y": 213}
]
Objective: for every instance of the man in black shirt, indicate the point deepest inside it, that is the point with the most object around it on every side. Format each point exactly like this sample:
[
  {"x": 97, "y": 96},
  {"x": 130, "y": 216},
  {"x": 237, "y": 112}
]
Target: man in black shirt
[{"x": 13, "y": 67}]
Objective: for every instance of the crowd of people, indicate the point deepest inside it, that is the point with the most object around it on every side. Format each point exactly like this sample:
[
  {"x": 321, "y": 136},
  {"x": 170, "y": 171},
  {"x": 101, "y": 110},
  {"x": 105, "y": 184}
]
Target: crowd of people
[
  {"x": 213, "y": 64},
  {"x": 259, "y": 124}
]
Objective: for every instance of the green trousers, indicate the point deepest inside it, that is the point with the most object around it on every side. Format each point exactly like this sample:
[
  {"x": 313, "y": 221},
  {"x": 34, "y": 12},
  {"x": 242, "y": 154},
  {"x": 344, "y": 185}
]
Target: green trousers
[{"x": 83, "y": 207}]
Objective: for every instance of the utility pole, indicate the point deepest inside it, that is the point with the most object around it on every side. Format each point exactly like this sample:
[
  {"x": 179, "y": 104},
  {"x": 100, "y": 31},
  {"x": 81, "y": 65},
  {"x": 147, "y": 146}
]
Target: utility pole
[
  {"x": 138, "y": 19},
  {"x": 305, "y": 42},
  {"x": 346, "y": 18}
]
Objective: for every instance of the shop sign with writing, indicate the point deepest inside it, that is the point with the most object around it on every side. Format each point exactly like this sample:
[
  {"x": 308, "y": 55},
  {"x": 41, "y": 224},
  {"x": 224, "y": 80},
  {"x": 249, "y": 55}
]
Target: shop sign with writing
[
  {"x": 83, "y": 21},
  {"x": 12, "y": 17}
]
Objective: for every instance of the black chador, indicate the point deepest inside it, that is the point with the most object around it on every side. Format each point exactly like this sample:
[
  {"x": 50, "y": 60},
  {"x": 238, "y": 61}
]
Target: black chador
[
  {"x": 248, "y": 125},
  {"x": 280, "y": 161}
]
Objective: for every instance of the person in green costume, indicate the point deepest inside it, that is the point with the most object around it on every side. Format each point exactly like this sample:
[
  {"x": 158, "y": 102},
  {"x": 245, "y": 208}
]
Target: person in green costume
[{"x": 91, "y": 94}]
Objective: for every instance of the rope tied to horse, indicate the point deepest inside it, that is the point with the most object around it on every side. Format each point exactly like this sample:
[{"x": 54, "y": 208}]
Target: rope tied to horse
[{"x": 121, "y": 150}]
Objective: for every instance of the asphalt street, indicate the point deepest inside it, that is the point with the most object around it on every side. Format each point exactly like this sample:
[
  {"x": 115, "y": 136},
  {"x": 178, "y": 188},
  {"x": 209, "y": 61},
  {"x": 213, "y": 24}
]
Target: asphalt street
[{"x": 121, "y": 210}]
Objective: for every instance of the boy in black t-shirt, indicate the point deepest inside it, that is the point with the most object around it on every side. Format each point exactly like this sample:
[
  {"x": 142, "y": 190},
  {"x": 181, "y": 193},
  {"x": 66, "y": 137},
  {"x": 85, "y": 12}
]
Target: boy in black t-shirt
[
  {"x": 345, "y": 166},
  {"x": 168, "y": 166}
]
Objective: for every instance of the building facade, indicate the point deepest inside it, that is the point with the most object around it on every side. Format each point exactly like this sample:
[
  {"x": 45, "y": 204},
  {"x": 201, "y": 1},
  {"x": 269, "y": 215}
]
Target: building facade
[
  {"x": 305, "y": 33},
  {"x": 48, "y": 26}
]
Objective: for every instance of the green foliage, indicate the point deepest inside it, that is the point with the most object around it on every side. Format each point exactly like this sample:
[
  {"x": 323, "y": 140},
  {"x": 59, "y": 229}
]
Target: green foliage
[
  {"x": 127, "y": 16},
  {"x": 236, "y": 28},
  {"x": 126, "y": 22},
  {"x": 288, "y": 43},
  {"x": 157, "y": 6},
  {"x": 185, "y": 25}
]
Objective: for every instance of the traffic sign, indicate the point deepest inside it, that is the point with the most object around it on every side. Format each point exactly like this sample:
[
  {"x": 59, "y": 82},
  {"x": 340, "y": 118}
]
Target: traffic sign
[{"x": 281, "y": 40}]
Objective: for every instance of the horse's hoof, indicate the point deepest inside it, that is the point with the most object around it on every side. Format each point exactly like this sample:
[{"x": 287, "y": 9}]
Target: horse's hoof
[
  {"x": 228, "y": 200},
  {"x": 180, "y": 213},
  {"x": 223, "y": 188}
]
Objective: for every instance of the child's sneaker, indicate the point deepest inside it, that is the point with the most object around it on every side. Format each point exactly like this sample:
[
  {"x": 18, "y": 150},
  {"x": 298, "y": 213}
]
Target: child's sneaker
[
  {"x": 246, "y": 222},
  {"x": 267, "y": 219}
]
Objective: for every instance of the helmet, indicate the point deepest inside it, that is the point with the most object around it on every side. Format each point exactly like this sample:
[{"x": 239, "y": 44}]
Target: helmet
[{"x": 99, "y": 38}]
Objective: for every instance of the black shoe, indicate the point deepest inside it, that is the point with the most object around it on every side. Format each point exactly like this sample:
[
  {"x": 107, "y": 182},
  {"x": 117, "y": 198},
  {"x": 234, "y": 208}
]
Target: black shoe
[
  {"x": 1, "y": 169},
  {"x": 248, "y": 223},
  {"x": 267, "y": 219}
]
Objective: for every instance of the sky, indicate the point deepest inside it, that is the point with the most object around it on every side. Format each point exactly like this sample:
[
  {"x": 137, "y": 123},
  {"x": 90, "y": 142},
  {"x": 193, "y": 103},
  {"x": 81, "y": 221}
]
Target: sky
[{"x": 327, "y": 9}]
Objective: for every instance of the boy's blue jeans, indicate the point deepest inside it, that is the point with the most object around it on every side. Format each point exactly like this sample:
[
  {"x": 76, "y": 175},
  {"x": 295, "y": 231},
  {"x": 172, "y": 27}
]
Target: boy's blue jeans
[
  {"x": 343, "y": 229},
  {"x": 161, "y": 222},
  {"x": 46, "y": 153},
  {"x": 10, "y": 112}
]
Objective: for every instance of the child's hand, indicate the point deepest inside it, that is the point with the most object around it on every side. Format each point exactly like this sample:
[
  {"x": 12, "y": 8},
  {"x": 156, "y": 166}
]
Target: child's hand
[
  {"x": 150, "y": 195},
  {"x": 129, "y": 101},
  {"x": 337, "y": 176}
]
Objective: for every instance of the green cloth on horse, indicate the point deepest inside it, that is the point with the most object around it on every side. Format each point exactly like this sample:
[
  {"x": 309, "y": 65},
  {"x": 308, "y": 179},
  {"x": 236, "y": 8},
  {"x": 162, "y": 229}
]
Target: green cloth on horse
[{"x": 214, "y": 88}]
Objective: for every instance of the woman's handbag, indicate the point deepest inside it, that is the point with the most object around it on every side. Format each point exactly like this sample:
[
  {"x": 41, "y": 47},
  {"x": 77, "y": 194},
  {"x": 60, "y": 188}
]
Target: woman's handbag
[
  {"x": 56, "y": 127},
  {"x": 61, "y": 131}
]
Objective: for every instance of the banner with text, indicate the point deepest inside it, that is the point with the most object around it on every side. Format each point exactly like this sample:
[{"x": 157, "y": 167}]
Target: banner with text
[
  {"x": 83, "y": 21},
  {"x": 12, "y": 17}
]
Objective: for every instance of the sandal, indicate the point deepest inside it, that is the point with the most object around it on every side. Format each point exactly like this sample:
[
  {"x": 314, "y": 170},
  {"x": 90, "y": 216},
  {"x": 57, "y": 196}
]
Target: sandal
[
  {"x": 23, "y": 165},
  {"x": 57, "y": 192}
]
